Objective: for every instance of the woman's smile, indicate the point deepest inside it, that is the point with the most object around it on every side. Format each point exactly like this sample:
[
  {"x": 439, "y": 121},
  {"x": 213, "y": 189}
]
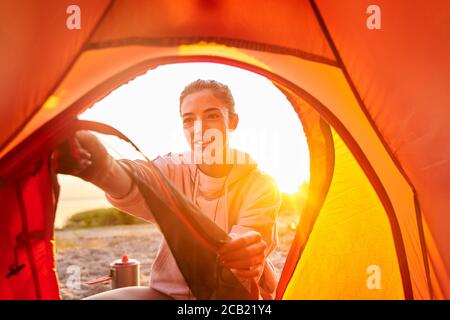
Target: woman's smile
[{"x": 202, "y": 143}]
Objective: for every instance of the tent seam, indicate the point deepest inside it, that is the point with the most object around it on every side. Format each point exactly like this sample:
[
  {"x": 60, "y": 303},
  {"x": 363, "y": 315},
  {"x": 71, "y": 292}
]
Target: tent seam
[
  {"x": 239, "y": 43},
  {"x": 423, "y": 245}
]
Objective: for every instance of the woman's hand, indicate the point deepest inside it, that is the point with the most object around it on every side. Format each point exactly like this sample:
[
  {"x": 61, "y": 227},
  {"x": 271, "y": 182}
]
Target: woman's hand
[
  {"x": 83, "y": 155},
  {"x": 245, "y": 254}
]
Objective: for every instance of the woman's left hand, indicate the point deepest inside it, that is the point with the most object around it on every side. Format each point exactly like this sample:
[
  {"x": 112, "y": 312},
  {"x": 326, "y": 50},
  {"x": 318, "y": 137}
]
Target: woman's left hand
[{"x": 245, "y": 254}]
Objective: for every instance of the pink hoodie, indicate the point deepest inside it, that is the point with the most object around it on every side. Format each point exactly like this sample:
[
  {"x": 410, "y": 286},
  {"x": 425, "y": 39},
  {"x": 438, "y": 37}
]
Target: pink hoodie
[{"x": 247, "y": 199}]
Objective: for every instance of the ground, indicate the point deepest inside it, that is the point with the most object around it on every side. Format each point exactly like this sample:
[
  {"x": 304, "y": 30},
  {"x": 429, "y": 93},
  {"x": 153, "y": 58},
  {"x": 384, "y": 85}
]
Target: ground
[{"x": 91, "y": 250}]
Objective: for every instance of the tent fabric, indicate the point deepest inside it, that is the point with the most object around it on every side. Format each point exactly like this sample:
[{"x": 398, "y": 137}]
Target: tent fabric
[
  {"x": 410, "y": 86},
  {"x": 382, "y": 93},
  {"x": 54, "y": 49},
  {"x": 28, "y": 209},
  {"x": 350, "y": 237}
]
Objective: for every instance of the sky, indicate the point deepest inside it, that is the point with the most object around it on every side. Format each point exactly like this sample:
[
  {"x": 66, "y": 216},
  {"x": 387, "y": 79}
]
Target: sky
[{"x": 146, "y": 109}]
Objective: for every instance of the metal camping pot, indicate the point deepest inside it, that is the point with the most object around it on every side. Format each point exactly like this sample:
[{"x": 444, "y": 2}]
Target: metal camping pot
[{"x": 123, "y": 272}]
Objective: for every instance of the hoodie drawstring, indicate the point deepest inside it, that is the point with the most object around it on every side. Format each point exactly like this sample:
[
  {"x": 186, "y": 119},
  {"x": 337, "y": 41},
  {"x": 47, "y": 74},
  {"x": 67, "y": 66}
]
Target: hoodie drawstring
[
  {"x": 226, "y": 205},
  {"x": 196, "y": 183},
  {"x": 225, "y": 192}
]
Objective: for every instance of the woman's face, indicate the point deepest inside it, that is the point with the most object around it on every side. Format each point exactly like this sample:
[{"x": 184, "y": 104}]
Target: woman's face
[{"x": 206, "y": 121}]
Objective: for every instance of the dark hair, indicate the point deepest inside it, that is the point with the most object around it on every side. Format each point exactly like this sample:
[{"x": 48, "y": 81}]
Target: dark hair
[{"x": 220, "y": 90}]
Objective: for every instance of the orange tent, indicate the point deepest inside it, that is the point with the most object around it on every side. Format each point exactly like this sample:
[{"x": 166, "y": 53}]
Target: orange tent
[{"x": 374, "y": 104}]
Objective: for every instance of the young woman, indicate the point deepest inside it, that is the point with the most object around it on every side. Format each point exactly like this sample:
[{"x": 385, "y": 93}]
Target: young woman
[{"x": 223, "y": 182}]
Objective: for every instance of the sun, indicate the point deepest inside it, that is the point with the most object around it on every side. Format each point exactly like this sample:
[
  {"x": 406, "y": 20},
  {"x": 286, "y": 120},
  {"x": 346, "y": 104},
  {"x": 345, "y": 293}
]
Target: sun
[{"x": 286, "y": 184}]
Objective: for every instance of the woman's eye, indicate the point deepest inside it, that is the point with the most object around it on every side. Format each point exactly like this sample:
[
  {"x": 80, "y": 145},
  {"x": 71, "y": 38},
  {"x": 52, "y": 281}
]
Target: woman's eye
[
  {"x": 213, "y": 116},
  {"x": 188, "y": 121}
]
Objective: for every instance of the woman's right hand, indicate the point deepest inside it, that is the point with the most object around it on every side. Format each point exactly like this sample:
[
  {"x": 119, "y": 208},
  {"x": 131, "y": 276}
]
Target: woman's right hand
[{"x": 84, "y": 156}]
